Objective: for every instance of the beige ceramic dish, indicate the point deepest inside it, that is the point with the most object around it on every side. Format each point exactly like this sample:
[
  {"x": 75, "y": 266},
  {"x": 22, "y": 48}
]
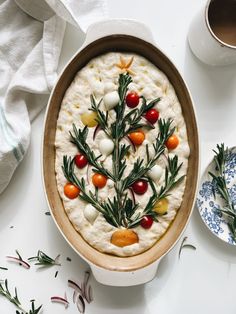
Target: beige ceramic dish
[{"x": 108, "y": 269}]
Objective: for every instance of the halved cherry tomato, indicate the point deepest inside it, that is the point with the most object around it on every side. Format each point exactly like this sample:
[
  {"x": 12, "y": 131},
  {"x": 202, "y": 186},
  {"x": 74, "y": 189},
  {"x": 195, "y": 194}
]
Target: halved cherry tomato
[
  {"x": 146, "y": 222},
  {"x": 71, "y": 191},
  {"x": 81, "y": 161},
  {"x": 172, "y": 142},
  {"x": 152, "y": 115},
  {"x": 132, "y": 99},
  {"x": 99, "y": 180},
  {"x": 161, "y": 206},
  {"x": 137, "y": 137},
  {"x": 89, "y": 119},
  {"x": 140, "y": 186},
  {"x": 124, "y": 237}
]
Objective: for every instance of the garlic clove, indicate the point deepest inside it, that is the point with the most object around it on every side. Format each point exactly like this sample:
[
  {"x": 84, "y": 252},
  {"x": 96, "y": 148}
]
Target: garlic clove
[
  {"x": 111, "y": 100},
  {"x": 155, "y": 173},
  {"x": 106, "y": 146},
  {"x": 90, "y": 213}
]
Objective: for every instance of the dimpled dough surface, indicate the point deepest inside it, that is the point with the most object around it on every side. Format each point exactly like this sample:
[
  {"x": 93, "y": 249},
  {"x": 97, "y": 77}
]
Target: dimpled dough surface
[{"x": 99, "y": 77}]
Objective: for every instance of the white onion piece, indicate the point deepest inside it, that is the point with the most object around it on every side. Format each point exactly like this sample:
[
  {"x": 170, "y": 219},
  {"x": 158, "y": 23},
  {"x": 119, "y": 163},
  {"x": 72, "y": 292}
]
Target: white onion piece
[
  {"x": 111, "y": 100},
  {"x": 90, "y": 213},
  {"x": 106, "y": 146},
  {"x": 155, "y": 173}
]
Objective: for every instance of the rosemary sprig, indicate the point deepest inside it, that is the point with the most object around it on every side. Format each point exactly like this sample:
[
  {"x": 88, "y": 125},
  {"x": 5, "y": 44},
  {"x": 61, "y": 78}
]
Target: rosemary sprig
[
  {"x": 219, "y": 181},
  {"x": 44, "y": 260},
  {"x": 33, "y": 310},
  {"x": 171, "y": 181},
  {"x": 133, "y": 118},
  {"x": 171, "y": 173},
  {"x": 102, "y": 118},
  {"x": 4, "y": 291},
  {"x": 120, "y": 211},
  {"x": 139, "y": 169},
  {"x": 87, "y": 196},
  {"x": 78, "y": 137}
]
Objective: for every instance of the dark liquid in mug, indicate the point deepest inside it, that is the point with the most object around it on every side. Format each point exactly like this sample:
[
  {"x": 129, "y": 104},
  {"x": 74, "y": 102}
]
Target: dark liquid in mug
[{"x": 222, "y": 20}]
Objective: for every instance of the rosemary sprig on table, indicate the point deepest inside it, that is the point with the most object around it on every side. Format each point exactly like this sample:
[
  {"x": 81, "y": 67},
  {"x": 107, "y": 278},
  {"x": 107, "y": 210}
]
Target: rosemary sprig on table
[
  {"x": 33, "y": 310},
  {"x": 4, "y": 291},
  {"x": 219, "y": 181},
  {"x": 44, "y": 260}
]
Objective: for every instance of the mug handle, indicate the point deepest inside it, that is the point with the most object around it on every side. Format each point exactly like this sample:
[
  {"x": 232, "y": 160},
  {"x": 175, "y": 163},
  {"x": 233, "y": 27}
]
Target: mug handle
[{"x": 117, "y": 26}]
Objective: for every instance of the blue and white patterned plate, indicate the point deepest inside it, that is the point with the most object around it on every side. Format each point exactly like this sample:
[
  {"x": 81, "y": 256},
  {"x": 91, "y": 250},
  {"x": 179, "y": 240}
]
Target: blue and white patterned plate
[{"x": 207, "y": 204}]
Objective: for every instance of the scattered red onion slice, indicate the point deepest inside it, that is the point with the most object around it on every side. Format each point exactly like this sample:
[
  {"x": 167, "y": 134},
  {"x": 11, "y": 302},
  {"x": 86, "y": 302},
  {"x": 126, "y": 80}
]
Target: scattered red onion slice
[
  {"x": 61, "y": 300},
  {"x": 82, "y": 292},
  {"x": 18, "y": 261},
  {"x": 80, "y": 304},
  {"x": 75, "y": 296},
  {"x": 90, "y": 294},
  {"x": 97, "y": 129},
  {"x": 147, "y": 122},
  {"x": 86, "y": 277},
  {"x": 74, "y": 285}
]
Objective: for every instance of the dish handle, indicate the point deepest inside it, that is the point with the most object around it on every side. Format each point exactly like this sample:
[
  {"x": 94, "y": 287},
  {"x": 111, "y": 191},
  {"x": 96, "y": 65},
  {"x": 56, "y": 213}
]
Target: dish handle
[
  {"x": 125, "y": 278},
  {"x": 117, "y": 26}
]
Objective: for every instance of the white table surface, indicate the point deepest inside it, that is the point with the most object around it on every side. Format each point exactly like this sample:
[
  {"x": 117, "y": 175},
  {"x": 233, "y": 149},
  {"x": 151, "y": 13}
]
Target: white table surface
[{"x": 202, "y": 281}]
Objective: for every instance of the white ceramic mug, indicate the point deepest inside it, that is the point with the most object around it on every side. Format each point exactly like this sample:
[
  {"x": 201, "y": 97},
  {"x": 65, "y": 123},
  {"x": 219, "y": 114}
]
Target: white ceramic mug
[{"x": 212, "y": 35}]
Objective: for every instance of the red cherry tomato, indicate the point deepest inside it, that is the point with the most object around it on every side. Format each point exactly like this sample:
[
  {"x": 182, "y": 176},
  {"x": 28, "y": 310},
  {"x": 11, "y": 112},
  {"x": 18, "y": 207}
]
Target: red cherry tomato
[
  {"x": 152, "y": 115},
  {"x": 99, "y": 180},
  {"x": 140, "y": 186},
  {"x": 71, "y": 191},
  {"x": 146, "y": 222},
  {"x": 132, "y": 99},
  {"x": 81, "y": 161}
]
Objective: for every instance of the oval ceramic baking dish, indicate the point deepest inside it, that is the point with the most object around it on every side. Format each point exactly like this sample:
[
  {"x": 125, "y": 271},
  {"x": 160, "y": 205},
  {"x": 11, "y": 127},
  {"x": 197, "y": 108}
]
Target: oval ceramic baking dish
[{"x": 108, "y": 269}]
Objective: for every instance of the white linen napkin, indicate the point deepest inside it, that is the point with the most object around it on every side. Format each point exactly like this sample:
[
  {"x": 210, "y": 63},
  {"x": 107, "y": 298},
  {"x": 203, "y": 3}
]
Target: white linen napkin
[{"x": 31, "y": 36}]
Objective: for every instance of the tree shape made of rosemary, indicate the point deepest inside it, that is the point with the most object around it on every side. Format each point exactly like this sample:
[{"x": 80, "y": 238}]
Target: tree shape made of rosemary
[{"x": 122, "y": 211}]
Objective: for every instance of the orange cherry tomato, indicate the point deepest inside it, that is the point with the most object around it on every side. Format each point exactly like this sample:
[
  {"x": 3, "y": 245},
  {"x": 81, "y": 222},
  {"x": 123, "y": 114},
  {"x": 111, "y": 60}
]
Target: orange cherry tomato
[
  {"x": 71, "y": 191},
  {"x": 99, "y": 180},
  {"x": 137, "y": 137},
  {"x": 172, "y": 142}
]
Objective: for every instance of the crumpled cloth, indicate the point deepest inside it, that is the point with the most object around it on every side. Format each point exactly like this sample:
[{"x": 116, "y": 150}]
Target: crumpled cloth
[{"x": 31, "y": 36}]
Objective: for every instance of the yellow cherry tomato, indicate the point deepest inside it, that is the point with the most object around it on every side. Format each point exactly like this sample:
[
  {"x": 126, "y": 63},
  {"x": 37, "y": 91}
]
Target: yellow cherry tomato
[
  {"x": 71, "y": 191},
  {"x": 99, "y": 180},
  {"x": 161, "y": 206},
  {"x": 172, "y": 142},
  {"x": 124, "y": 237},
  {"x": 89, "y": 119},
  {"x": 137, "y": 137}
]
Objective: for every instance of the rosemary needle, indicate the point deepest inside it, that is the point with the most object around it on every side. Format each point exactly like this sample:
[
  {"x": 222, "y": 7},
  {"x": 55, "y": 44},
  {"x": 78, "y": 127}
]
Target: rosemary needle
[{"x": 43, "y": 259}]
